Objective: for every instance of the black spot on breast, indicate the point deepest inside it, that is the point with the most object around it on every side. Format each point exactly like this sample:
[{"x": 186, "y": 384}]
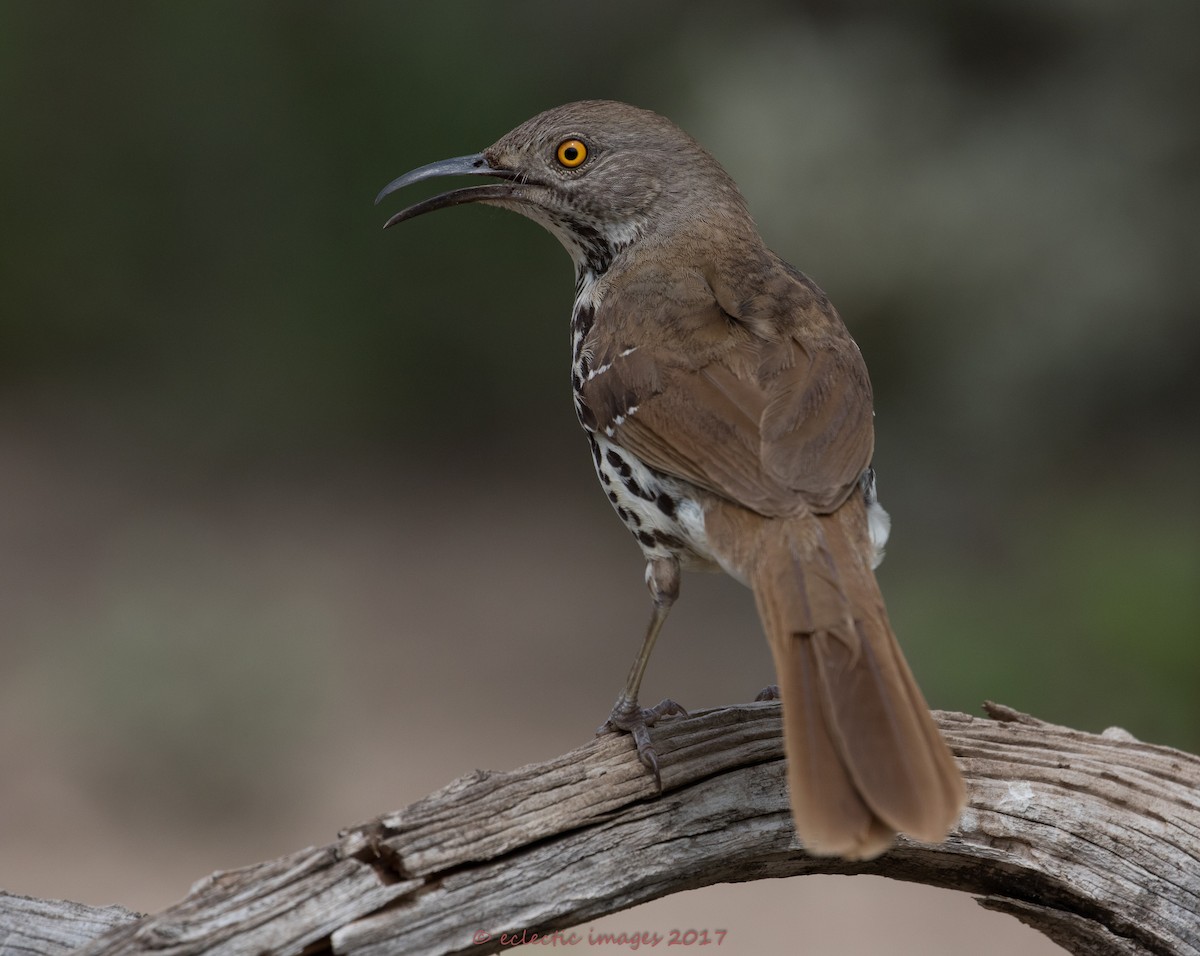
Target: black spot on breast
[
  {"x": 612, "y": 496},
  {"x": 634, "y": 488},
  {"x": 646, "y": 538},
  {"x": 666, "y": 504},
  {"x": 619, "y": 463},
  {"x": 595, "y": 449},
  {"x": 669, "y": 541}
]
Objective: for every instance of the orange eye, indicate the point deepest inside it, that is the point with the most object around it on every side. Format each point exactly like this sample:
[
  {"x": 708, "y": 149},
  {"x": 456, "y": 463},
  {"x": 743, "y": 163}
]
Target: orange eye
[{"x": 571, "y": 153}]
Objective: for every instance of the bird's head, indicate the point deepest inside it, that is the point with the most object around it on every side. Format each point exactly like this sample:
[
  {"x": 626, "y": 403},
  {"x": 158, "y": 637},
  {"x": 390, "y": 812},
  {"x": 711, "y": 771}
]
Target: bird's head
[{"x": 599, "y": 175}]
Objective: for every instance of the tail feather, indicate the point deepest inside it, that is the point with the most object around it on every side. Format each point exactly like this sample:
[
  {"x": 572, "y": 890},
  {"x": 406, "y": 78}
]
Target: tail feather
[{"x": 865, "y": 758}]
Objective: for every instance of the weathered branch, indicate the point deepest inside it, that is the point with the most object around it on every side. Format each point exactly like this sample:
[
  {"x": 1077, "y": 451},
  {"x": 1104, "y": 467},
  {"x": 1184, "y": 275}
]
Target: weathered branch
[
  {"x": 1092, "y": 839},
  {"x": 31, "y": 927}
]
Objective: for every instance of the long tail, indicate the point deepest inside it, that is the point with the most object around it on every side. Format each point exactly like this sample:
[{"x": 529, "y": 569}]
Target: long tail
[{"x": 865, "y": 759}]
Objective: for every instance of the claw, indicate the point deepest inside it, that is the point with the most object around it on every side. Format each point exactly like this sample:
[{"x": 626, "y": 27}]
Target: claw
[
  {"x": 628, "y": 717},
  {"x": 770, "y": 692}
]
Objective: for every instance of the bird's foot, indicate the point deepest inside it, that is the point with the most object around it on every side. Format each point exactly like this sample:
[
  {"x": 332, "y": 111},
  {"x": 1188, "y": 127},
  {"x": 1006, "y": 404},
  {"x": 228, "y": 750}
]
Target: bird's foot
[
  {"x": 770, "y": 692},
  {"x": 628, "y": 718}
]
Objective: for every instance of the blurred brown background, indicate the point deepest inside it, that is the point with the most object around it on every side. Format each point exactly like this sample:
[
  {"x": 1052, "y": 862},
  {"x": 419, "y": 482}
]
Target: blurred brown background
[{"x": 295, "y": 521}]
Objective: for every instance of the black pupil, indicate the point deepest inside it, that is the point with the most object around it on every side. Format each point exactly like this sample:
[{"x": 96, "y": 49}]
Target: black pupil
[{"x": 570, "y": 154}]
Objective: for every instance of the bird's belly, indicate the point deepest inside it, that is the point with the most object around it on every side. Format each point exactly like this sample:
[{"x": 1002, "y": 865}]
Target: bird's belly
[{"x": 658, "y": 511}]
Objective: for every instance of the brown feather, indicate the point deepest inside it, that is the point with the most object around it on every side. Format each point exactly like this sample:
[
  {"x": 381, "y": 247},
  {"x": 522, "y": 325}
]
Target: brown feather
[
  {"x": 728, "y": 379},
  {"x": 758, "y": 396},
  {"x": 762, "y": 419},
  {"x": 865, "y": 758}
]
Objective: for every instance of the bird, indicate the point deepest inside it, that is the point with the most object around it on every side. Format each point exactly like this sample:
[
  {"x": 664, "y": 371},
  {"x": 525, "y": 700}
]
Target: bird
[{"x": 730, "y": 418}]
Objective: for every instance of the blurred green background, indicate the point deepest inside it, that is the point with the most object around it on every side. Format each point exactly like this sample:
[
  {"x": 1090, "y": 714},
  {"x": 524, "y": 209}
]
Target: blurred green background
[{"x": 290, "y": 505}]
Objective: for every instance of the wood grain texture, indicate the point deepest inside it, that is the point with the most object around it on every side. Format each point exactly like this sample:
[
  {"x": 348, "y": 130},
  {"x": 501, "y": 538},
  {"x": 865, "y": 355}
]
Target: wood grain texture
[
  {"x": 30, "y": 927},
  {"x": 1093, "y": 839}
]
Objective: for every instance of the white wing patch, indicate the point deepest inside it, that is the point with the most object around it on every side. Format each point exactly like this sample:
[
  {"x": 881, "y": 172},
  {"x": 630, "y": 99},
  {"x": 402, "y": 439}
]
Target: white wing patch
[{"x": 879, "y": 522}]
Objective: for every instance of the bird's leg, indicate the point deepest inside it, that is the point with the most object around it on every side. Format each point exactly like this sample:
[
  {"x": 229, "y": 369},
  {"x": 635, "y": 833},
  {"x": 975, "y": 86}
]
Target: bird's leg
[{"x": 662, "y": 578}]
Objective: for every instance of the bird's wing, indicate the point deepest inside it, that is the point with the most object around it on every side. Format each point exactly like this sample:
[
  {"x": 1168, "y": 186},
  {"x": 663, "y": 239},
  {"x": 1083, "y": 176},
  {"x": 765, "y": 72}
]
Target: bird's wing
[{"x": 763, "y": 399}]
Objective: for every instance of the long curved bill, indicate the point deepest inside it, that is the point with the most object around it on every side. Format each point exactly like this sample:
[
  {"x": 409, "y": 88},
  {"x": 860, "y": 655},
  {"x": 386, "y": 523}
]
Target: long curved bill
[{"x": 473, "y": 165}]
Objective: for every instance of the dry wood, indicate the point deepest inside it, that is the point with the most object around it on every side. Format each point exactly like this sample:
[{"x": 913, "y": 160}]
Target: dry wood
[
  {"x": 1092, "y": 839},
  {"x": 30, "y": 927}
]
